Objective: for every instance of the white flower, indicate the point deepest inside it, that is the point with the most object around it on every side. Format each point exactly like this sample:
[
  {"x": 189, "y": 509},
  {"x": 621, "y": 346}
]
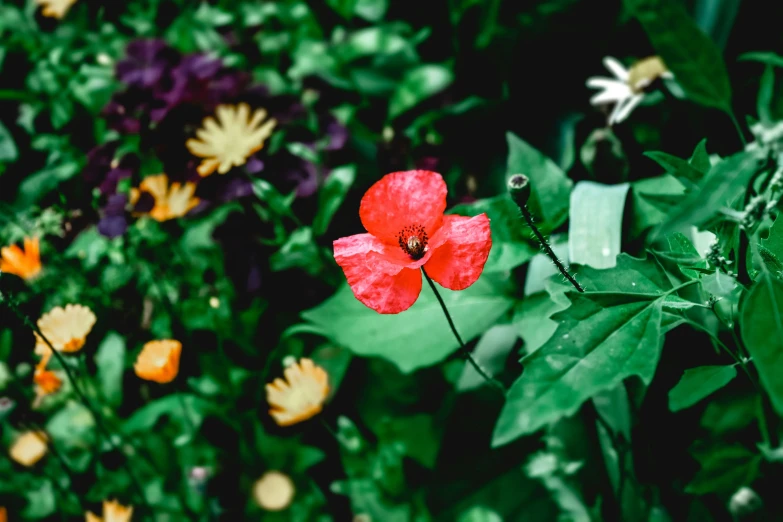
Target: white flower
[{"x": 626, "y": 89}]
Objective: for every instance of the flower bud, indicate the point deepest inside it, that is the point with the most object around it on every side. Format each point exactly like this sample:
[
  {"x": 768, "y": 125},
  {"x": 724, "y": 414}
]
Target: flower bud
[
  {"x": 519, "y": 188},
  {"x": 744, "y": 502}
]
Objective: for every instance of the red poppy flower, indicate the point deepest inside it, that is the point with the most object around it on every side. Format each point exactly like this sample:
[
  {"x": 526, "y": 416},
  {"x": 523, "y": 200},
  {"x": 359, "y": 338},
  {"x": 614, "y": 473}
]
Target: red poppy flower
[{"x": 403, "y": 213}]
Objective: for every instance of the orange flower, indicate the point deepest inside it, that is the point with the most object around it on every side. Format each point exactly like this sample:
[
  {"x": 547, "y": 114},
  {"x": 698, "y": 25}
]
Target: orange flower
[
  {"x": 112, "y": 512},
  {"x": 55, "y": 8},
  {"x": 66, "y": 328},
  {"x": 46, "y": 381},
  {"x": 24, "y": 263},
  {"x": 171, "y": 201},
  {"x": 29, "y": 448},
  {"x": 3, "y": 515},
  {"x": 159, "y": 361},
  {"x": 274, "y": 491},
  {"x": 300, "y": 396}
]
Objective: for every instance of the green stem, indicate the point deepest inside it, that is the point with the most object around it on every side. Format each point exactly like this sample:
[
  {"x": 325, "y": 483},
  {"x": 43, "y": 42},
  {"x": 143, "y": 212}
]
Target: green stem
[
  {"x": 463, "y": 348},
  {"x": 739, "y": 129},
  {"x": 548, "y": 250}
]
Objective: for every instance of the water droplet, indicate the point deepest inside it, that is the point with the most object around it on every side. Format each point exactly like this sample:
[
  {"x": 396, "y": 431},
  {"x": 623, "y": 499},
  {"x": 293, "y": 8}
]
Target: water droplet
[
  {"x": 633, "y": 284},
  {"x": 606, "y": 251},
  {"x": 565, "y": 336}
]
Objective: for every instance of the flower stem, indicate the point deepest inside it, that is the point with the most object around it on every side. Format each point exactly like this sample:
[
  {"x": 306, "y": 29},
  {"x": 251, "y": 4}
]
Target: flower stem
[
  {"x": 463, "y": 348},
  {"x": 548, "y": 250},
  {"x": 79, "y": 393},
  {"x": 738, "y": 128}
]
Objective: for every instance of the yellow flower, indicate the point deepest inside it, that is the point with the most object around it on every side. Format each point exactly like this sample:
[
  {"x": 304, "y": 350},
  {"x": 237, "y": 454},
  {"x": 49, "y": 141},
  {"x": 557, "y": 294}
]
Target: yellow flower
[
  {"x": 55, "y": 8},
  {"x": 66, "y": 328},
  {"x": 300, "y": 396},
  {"x": 112, "y": 512},
  {"x": 232, "y": 139},
  {"x": 29, "y": 448},
  {"x": 159, "y": 361},
  {"x": 24, "y": 263},
  {"x": 274, "y": 491},
  {"x": 171, "y": 201}
]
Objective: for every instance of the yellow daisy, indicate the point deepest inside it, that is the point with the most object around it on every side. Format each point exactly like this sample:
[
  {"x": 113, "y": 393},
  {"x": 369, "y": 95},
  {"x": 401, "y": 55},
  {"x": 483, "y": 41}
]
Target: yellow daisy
[
  {"x": 274, "y": 491},
  {"x": 55, "y": 8},
  {"x": 159, "y": 361},
  {"x": 29, "y": 448},
  {"x": 300, "y": 396},
  {"x": 112, "y": 512},
  {"x": 26, "y": 263},
  {"x": 229, "y": 141},
  {"x": 171, "y": 201},
  {"x": 66, "y": 328}
]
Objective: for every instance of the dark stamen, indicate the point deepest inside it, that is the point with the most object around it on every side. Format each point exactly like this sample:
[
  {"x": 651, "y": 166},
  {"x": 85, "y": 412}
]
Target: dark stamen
[{"x": 413, "y": 241}]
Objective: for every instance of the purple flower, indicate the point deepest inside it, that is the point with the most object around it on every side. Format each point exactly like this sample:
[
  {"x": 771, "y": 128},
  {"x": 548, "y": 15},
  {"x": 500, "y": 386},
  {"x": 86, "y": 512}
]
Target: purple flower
[
  {"x": 114, "y": 222},
  {"x": 337, "y": 134},
  {"x": 145, "y": 64},
  {"x": 99, "y": 162}
]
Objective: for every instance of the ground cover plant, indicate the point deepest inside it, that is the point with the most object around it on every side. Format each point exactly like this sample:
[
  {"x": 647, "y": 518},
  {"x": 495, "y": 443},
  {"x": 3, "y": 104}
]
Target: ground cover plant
[{"x": 378, "y": 261}]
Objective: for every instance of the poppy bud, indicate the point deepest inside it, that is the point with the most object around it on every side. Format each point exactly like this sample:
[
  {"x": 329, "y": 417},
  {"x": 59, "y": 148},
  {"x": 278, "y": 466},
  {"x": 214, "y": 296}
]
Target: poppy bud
[{"x": 519, "y": 188}]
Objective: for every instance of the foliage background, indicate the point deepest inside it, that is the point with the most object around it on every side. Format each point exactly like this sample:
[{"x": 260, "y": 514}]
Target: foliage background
[{"x": 474, "y": 90}]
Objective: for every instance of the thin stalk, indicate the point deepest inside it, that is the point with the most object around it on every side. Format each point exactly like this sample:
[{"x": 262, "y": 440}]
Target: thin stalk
[
  {"x": 464, "y": 349},
  {"x": 739, "y": 129},
  {"x": 80, "y": 394},
  {"x": 548, "y": 250}
]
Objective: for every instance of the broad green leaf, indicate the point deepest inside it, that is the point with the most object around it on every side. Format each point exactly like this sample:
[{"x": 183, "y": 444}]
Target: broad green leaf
[
  {"x": 110, "y": 359},
  {"x": 698, "y": 383},
  {"x": 761, "y": 324},
  {"x": 774, "y": 239},
  {"x": 690, "y": 54},
  {"x": 720, "y": 284},
  {"x": 601, "y": 339},
  {"x": 724, "y": 469},
  {"x": 332, "y": 195},
  {"x": 550, "y": 187},
  {"x": 532, "y": 320},
  {"x": 37, "y": 185},
  {"x": 418, "y": 337},
  {"x": 653, "y": 200},
  {"x": 677, "y": 253},
  {"x": 677, "y": 167},
  {"x": 595, "y": 223},
  {"x": 727, "y": 413},
  {"x": 511, "y": 245},
  {"x": 541, "y": 268},
  {"x": 8, "y": 150},
  {"x": 417, "y": 85},
  {"x": 41, "y": 500},
  {"x": 724, "y": 182},
  {"x": 73, "y": 431},
  {"x": 490, "y": 352},
  {"x": 631, "y": 275}
]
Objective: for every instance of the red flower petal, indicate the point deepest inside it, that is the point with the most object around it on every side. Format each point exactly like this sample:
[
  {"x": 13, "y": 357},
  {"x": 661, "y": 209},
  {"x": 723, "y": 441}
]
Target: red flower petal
[
  {"x": 380, "y": 275},
  {"x": 402, "y": 199},
  {"x": 460, "y": 250}
]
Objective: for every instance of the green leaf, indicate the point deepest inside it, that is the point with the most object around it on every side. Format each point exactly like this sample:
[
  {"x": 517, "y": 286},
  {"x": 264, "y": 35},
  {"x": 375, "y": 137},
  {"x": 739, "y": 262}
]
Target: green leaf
[
  {"x": 332, "y": 195},
  {"x": 417, "y": 85},
  {"x": 491, "y": 352},
  {"x": 631, "y": 275},
  {"x": 73, "y": 430},
  {"x": 510, "y": 235},
  {"x": 725, "y": 469},
  {"x": 596, "y": 223},
  {"x": 761, "y": 324},
  {"x": 690, "y": 54},
  {"x": 41, "y": 500},
  {"x": 601, "y": 339},
  {"x": 766, "y": 57},
  {"x": 698, "y": 383},
  {"x": 724, "y": 183},
  {"x": 418, "y": 337},
  {"x": 110, "y": 359},
  {"x": 653, "y": 200},
  {"x": 8, "y": 150},
  {"x": 532, "y": 320},
  {"x": 550, "y": 187},
  {"x": 37, "y": 185},
  {"x": 774, "y": 239},
  {"x": 299, "y": 251},
  {"x": 146, "y": 417},
  {"x": 677, "y": 167},
  {"x": 700, "y": 159}
]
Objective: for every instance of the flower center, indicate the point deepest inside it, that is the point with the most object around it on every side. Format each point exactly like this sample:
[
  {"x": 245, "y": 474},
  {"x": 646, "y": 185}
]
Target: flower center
[{"x": 413, "y": 241}]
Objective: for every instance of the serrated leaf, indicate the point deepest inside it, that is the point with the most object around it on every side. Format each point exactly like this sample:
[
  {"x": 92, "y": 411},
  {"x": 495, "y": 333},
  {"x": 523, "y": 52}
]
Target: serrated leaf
[
  {"x": 698, "y": 383},
  {"x": 418, "y": 337},
  {"x": 690, "y": 54},
  {"x": 511, "y": 245},
  {"x": 722, "y": 185},
  {"x": 761, "y": 325},
  {"x": 677, "y": 167},
  {"x": 549, "y": 186},
  {"x": 630, "y": 275},
  {"x": 700, "y": 159},
  {"x": 595, "y": 223},
  {"x": 110, "y": 359},
  {"x": 602, "y": 339}
]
